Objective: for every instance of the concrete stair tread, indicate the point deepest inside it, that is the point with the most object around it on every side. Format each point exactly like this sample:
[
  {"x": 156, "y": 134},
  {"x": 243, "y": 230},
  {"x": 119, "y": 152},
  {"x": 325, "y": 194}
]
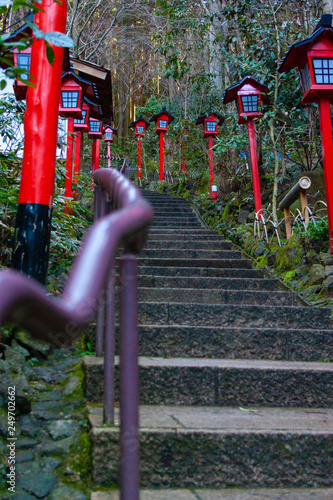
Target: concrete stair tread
[
  {"x": 234, "y": 364},
  {"x": 225, "y": 494},
  {"x": 227, "y": 420},
  {"x": 218, "y": 296},
  {"x": 209, "y": 272},
  {"x": 209, "y": 282}
]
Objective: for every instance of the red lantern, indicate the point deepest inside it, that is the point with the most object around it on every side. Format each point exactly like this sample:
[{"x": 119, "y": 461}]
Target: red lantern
[
  {"x": 108, "y": 133},
  {"x": 210, "y": 123},
  {"x": 248, "y": 94},
  {"x": 139, "y": 127},
  {"x": 313, "y": 58},
  {"x": 70, "y": 98},
  {"x": 162, "y": 120},
  {"x": 95, "y": 129}
]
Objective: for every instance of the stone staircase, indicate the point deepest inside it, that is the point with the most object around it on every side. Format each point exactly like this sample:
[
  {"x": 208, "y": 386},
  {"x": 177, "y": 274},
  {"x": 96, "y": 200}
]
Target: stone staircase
[{"x": 233, "y": 392}]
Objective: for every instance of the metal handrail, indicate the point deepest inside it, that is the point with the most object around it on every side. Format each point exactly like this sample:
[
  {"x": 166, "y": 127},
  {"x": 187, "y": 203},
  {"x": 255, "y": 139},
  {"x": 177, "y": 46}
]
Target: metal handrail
[{"x": 59, "y": 320}]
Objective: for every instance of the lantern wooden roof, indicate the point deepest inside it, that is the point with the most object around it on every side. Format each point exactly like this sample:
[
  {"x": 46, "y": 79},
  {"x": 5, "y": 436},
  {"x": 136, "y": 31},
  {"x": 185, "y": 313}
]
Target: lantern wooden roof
[
  {"x": 140, "y": 119},
  {"x": 296, "y": 57},
  {"x": 162, "y": 112},
  {"x": 247, "y": 83},
  {"x": 202, "y": 118},
  {"x": 99, "y": 95}
]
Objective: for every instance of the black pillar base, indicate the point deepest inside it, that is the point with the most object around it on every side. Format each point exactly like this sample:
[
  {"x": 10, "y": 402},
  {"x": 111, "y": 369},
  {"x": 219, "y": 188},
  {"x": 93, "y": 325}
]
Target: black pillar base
[{"x": 32, "y": 240}]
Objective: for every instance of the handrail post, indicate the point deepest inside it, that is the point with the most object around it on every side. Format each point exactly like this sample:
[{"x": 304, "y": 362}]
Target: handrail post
[
  {"x": 109, "y": 336},
  {"x": 100, "y": 210},
  {"x": 129, "y": 379}
]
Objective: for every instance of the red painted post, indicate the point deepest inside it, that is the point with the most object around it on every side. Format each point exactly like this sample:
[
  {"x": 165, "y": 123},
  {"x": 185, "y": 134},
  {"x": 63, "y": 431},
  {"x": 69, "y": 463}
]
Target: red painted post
[
  {"x": 254, "y": 167},
  {"x": 210, "y": 152},
  {"x": 327, "y": 152},
  {"x": 69, "y": 161},
  {"x": 97, "y": 149},
  {"x": 33, "y": 219},
  {"x": 139, "y": 157},
  {"x": 161, "y": 155},
  {"x": 77, "y": 155},
  {"x": 109, "y": 155},
  {"x": 183, "y": 160}
]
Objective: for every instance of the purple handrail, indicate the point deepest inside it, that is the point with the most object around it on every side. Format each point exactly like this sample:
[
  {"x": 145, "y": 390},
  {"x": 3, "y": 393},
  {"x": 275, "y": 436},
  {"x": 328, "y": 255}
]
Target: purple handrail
[{"x": 59, "y": 320}]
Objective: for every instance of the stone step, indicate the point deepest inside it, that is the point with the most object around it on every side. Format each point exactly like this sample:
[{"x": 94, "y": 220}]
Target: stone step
[
  {"x": 179, "y": 218},
  {"x": 199, "y": 271},
  {"x": 174, "y": 212},
  {"x": 212, "y": 296},
  {"x": 179, "y": 262},
  {"x": 209, "y": 283},
  {"x": 178, "y": 253},
  {"x": 242, "y": 343},
  {"x": 214, "y": 447},
  {"x": 224, "y": 494},
  {"x": 239, "y": 315},
  {"x": 176, "y": 224},
  {"x": 223, "y": 382},
  {"x": 192, "y": 243},
  {"x": 175, "y": 233}
]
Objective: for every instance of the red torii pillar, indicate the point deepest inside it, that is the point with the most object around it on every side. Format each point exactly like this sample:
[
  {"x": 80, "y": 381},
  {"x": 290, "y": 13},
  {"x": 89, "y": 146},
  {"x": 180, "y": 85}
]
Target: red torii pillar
[{"x": 33, "y": 219}]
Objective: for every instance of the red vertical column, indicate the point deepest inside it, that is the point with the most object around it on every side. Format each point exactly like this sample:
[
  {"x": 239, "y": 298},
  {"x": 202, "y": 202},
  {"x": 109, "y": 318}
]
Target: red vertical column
[
  {"x": 161, "y": 155},
  {"x": 139, "y": 157},
  {"x": 327, "y": 152},
  {"x": 254, "y": 168},
  {"x": 76, "y": 162},
  {"x": 183, "y": 157},
  {"x": 69, "y": 161},
  {"x": 97, "y": 150},
  {"x": 33, "y": 219},
  {"x": 109, "y": 155},
  {"x": 210, "y": 153}
]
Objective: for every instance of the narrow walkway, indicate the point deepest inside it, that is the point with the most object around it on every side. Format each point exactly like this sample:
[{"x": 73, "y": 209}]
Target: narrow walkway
[{"x": 232, "y": 389}]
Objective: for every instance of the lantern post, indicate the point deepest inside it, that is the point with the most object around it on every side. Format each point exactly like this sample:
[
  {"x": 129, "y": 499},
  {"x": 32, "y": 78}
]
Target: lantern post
[
  {"x": 80, "y": 126},
  {"x": 248, "y": 95},
  {"x": 95, "y": 133},
  {"x": 162, "y": 121},
  {"x": 70, "y": 108},
  {"x": 139, "y": 126},
  {"x": 313, "y": 57},
  {"x": 108, "y": 138},
  {"x": 33, "y": 219},
  {"x": 184, "y": 141},
  {"x": 210, "y": 123}
]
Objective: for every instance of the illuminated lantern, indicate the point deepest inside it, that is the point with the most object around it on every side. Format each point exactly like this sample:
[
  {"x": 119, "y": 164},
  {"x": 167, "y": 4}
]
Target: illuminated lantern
[
  {"x": 162, "y": 121},
  {"x": 313, "y": 57},
  {"x": 210, "y": 125},
  {"x": 248, "y": 95},
  {"x": 139, "y": 127},
  {"x": 71, "y": 97},
  {"x": 95, "y": 129}
]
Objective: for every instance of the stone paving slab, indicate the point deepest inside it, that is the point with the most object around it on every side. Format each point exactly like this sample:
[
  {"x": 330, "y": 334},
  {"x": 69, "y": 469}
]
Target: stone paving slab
[{"x": 225, "y": 494}]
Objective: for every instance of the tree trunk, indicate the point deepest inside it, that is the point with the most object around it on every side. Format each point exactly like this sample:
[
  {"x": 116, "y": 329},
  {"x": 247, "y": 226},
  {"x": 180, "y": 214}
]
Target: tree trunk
[{"x": 327, "y": 6}]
